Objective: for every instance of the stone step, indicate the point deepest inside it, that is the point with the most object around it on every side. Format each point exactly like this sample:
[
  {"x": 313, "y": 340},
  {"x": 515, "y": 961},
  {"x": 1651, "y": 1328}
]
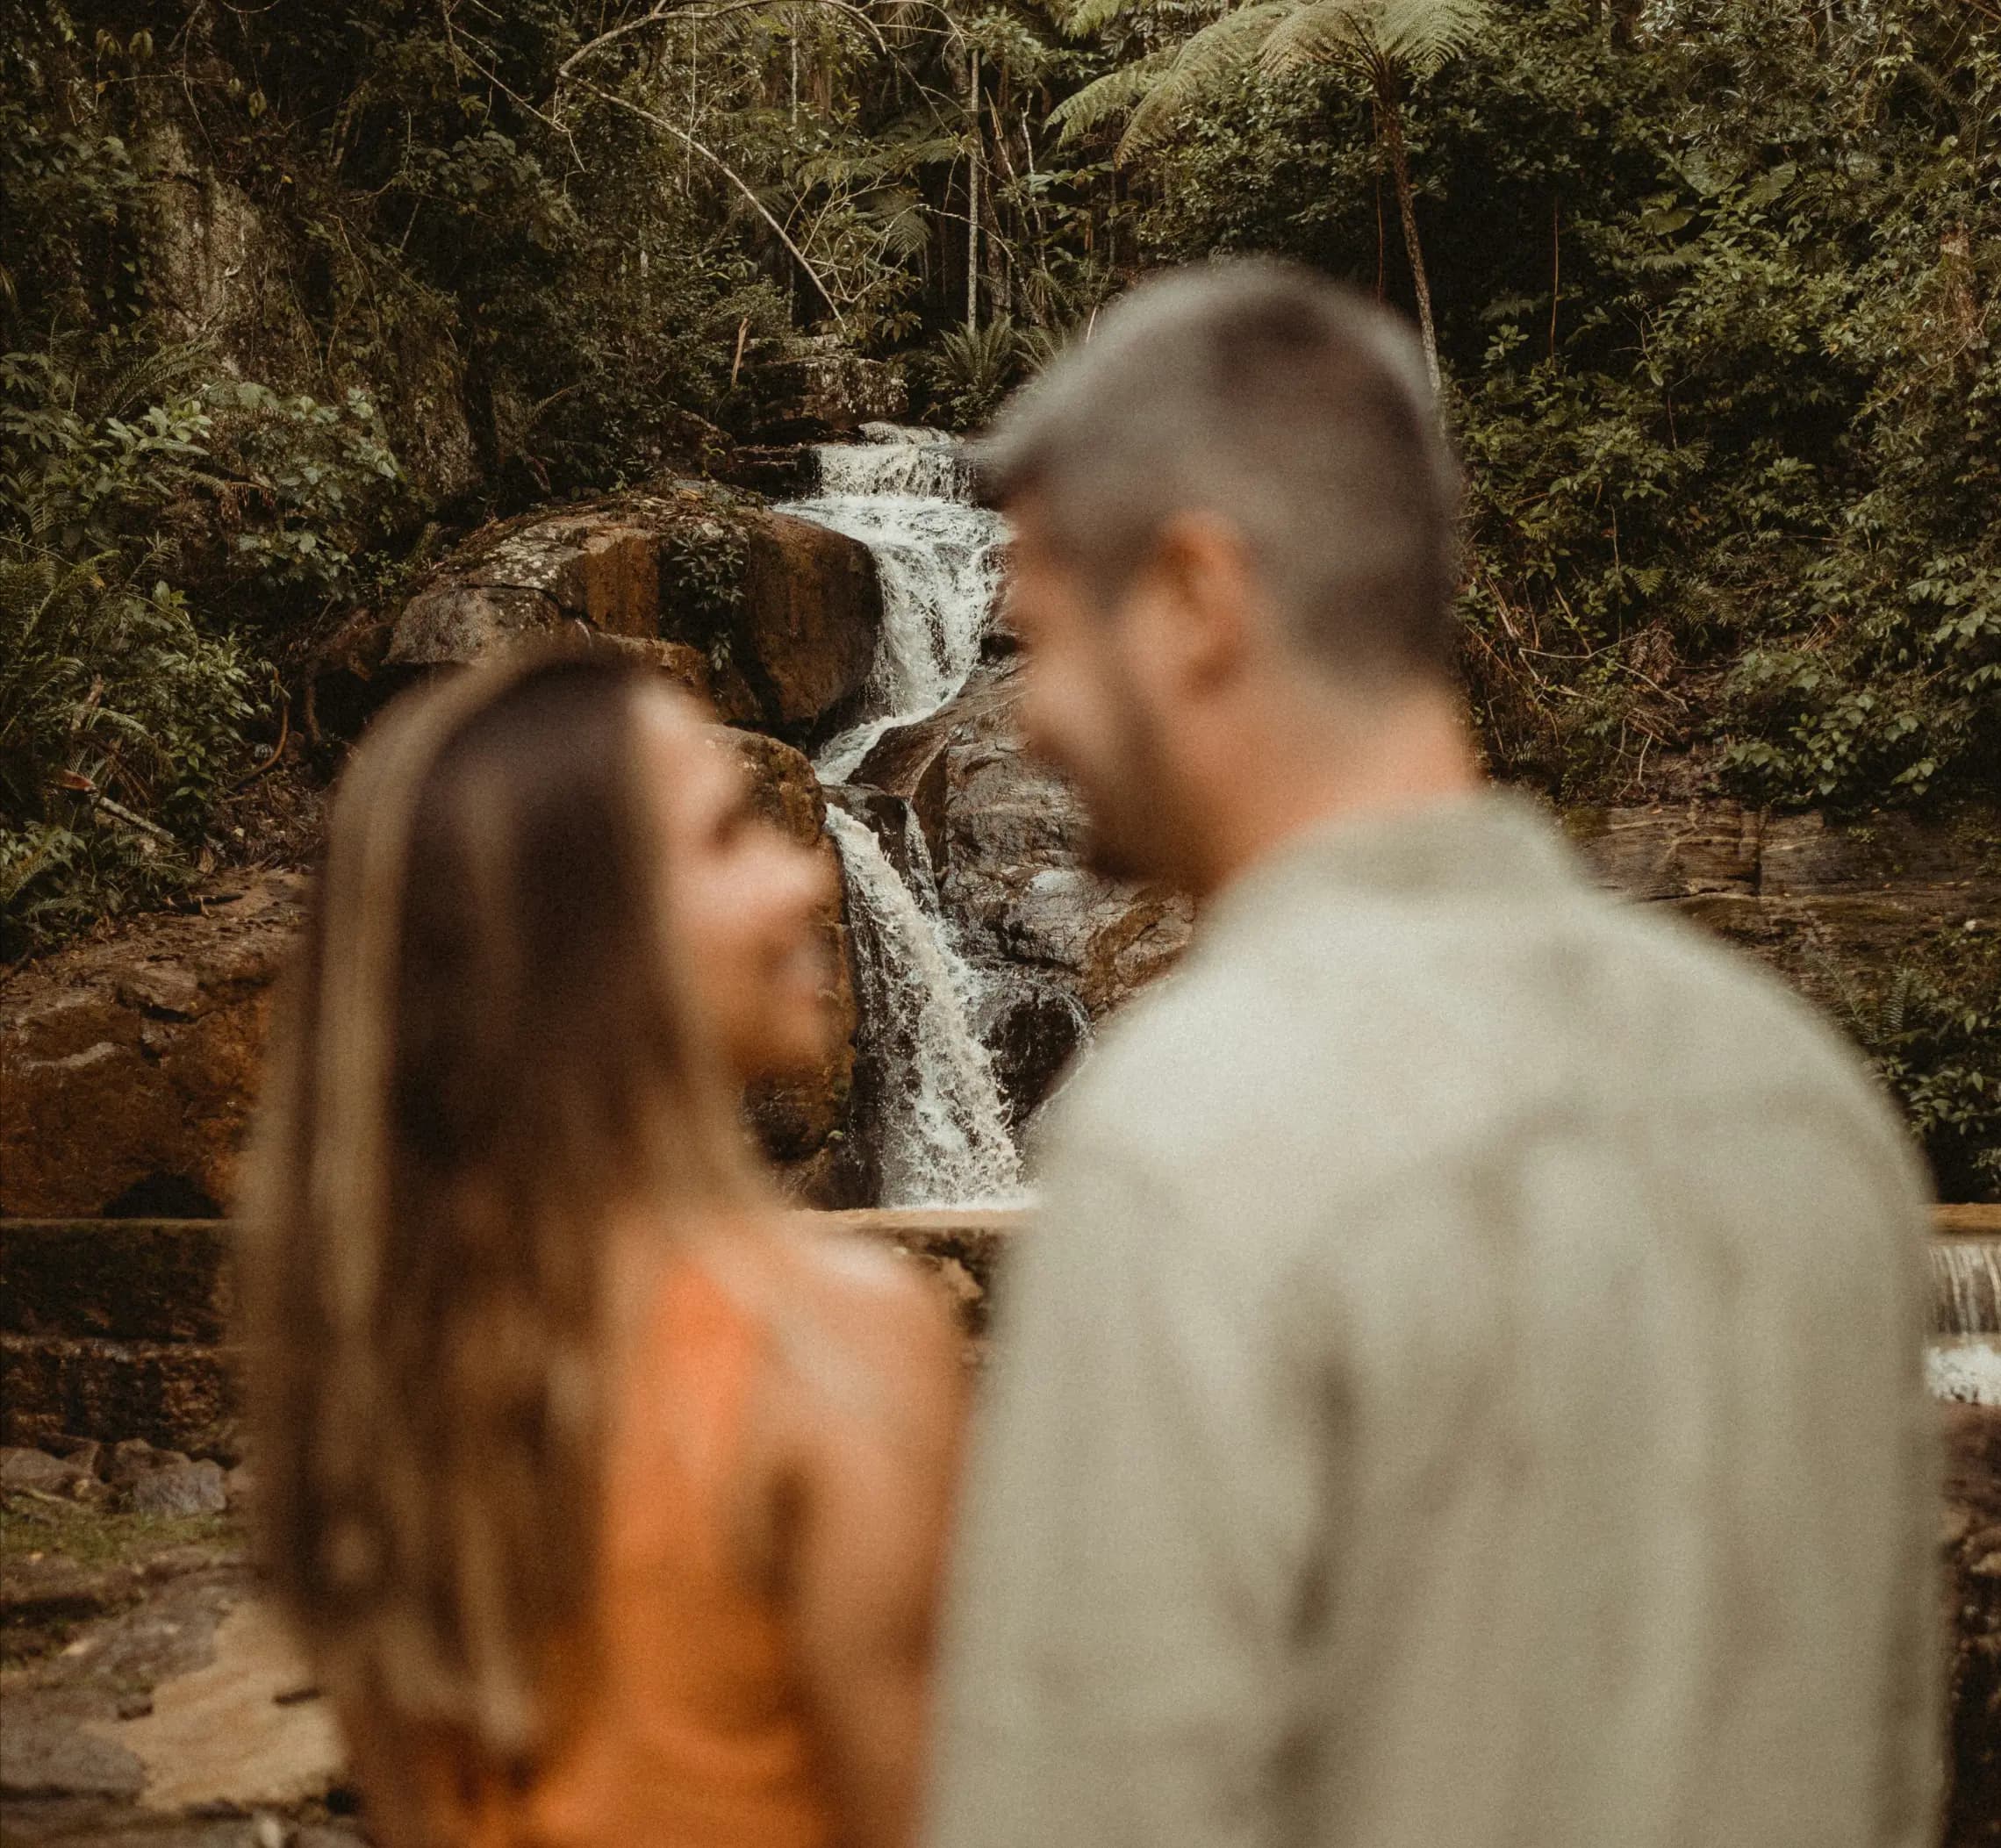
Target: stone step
[{"x": 179, "y": 1395}]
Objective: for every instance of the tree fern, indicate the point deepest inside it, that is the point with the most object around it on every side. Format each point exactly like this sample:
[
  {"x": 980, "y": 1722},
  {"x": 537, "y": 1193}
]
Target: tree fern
[{"x": 1390, "y": 42}]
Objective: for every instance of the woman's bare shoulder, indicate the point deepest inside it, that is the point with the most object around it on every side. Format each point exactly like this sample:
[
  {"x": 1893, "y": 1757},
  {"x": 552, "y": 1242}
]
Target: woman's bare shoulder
[
  {"x": 861, "y": 1284},
  {"x": 870, "y": 1331}
]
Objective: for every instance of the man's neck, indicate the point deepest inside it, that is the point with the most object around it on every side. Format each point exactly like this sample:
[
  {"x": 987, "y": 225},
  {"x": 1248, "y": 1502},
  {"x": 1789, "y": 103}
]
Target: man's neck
[{"x": 1304, "y": 767}]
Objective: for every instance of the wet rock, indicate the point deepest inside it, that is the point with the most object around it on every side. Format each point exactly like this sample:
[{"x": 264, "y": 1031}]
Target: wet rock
[
  {"x": 1671, "y": 853},
  {"x": 1011, "y": 835},
  {"x": 821, "y": 389},
  {"x": 780, "y": 471},
  {"x": 1972, "y": 1536},
  {"x": 127, "y": 1066},
  {"x": 1033, "y": 1027},
  {"x": 179, "y": 1489},
  {"x": 891, "y": 819},
  {"x": 811, "y": 607},
  {"x": 782, "y": 613},
  {"x": 909, "y": 763},
  {"x": 802, "y": 1123}
]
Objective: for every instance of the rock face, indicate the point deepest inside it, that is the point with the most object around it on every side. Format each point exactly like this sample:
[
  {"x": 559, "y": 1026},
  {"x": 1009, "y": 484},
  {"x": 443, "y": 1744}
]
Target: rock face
[
  {"x": 819, "y": 389},
  {"x": 803, "y": 1125},
  {"x": 1006, "y": 836},
  {"x": 773, "y": 619},
  {"x": 1856, "y": 918},
  {"x": 127, "y": 1068}
]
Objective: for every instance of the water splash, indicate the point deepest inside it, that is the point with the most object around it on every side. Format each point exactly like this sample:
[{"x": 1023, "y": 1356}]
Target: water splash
[
  {"x": 938, "y": 559},
  {"x": 896, "y": 458},
  {"x": 1967, "y": 1371},
  {"x": 943, "y": 1128},
  {"x": 1966, "y": 1279}
]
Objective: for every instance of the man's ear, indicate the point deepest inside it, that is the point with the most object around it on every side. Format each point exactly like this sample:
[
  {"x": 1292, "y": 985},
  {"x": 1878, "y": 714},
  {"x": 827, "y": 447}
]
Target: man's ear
[{"x": 1197, "y": 601}]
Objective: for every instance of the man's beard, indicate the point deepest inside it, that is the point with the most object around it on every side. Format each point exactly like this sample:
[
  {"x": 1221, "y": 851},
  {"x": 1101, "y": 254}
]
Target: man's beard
[{"x": 1131, "y": 808}]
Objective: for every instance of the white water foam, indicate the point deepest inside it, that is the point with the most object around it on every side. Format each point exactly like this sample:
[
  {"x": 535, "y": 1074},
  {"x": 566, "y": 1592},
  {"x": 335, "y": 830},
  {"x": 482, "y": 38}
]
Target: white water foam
[
  {"x": 939, "y": 563},
  {"x": 944, "y": 1137},
  {"x": 1967, "y": 1371}
]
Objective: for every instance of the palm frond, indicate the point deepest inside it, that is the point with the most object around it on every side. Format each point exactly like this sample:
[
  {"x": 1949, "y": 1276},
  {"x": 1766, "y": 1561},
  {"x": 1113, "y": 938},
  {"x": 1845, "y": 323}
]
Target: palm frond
[
  {"x": 1081, "y": 18},
  {"x": 1223, "y": 46},
  {"x": 1424, "y": 34},
  {"x": 1412, "y": 37},
  {"x": 1113, "y": 94}
]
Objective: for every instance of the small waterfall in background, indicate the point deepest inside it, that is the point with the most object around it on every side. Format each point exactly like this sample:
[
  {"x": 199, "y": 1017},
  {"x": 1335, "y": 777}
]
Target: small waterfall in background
[
  {"x": 1964, "y": 1362},
  {"x": 943, "y": 1128}
]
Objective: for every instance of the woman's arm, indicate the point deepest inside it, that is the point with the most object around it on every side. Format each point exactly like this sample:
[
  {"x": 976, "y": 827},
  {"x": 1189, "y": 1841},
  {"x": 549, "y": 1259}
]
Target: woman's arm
[{"x": 875, "y": 1465}]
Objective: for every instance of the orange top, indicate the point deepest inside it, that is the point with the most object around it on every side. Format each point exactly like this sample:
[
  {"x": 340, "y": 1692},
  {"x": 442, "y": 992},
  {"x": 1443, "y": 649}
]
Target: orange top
[{"x": 692, "y": 1733}]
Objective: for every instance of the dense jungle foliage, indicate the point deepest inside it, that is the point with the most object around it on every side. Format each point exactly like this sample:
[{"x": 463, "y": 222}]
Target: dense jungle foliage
[{"x": 289, "y": 295}]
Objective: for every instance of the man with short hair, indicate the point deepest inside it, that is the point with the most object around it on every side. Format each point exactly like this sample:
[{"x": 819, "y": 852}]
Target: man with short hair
[{"x": 1466, "y": 1385}]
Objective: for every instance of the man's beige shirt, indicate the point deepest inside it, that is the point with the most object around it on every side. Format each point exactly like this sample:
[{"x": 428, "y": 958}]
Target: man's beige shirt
[{"x": 1466, "y": 1387}]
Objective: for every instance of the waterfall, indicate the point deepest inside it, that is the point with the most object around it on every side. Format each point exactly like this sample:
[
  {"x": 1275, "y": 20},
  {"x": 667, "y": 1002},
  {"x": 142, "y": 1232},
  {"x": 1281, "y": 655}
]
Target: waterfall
[
  {"x": 1966, "y": 1280},
  {"x": 942, "y": 1127},
  {"x": 938, "y": 560},
  {"x": 944, "y": 1135},
  {"x": 894, "y": 460},
  {"x": 1964, "y": 1362}
]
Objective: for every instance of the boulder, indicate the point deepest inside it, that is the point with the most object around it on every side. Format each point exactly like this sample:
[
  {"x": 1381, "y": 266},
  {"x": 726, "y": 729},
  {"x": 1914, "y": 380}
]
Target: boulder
[
  {"x": 1008, "y": 838},
  {"x": 819, "y": 387},
  {"x": 1033, "y": 1028},
  {"x": 802, "y": 1123},
  {"x": 177, "y": 1490},
  {"x": 36, "y": 1472},
  {"x": 781, "y": 614},
  {"x": 127, "y": 1066},
  {"x": 811, "y": 610}
]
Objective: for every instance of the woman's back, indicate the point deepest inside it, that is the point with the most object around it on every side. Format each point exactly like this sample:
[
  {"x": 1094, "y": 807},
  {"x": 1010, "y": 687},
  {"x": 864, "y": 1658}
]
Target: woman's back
[{"x": 690, "y": 1719}]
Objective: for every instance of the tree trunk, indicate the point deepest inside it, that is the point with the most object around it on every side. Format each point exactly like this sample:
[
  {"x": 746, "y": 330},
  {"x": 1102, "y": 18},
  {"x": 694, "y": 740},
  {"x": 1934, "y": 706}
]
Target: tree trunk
[
  {"x": 972, "y": 198},
  {"x": 1389, "y": 121}
]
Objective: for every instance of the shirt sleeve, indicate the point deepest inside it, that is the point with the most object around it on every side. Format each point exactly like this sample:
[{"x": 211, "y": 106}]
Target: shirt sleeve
[{"x": 1143, "y": 1536}]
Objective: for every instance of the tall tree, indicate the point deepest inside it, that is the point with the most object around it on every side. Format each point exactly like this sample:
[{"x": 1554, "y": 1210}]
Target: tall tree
[{"x": 1390, "y": 44}]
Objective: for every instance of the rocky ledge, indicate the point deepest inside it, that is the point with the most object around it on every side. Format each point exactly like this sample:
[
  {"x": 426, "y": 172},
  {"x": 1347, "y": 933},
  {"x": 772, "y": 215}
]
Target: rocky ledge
[
  {"x": 771, "y": 619},
  {"x": 128, "y": 1066}
]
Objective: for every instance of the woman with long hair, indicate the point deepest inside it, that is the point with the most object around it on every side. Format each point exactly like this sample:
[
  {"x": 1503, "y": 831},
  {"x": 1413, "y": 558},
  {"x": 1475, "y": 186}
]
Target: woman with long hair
[{"x": 609, "y": 1503}]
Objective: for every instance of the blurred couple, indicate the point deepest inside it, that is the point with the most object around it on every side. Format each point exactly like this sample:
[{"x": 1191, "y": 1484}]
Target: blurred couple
[{"x": 1463, "y": 1386}]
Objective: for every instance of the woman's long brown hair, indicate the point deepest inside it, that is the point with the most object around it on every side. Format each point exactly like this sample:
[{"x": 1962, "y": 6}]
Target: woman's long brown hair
[{"x": 480, "y": 1064}]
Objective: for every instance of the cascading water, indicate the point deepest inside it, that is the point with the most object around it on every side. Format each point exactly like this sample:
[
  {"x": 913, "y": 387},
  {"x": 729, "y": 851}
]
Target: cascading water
[
  {"x": 944, "y": 1139},
  {"x": 1966, "y": 1281},
  {"x": 943, "y": 1129},
  {"x": 1964, "y": 1362},
  {"x": 938, "y": 559}
]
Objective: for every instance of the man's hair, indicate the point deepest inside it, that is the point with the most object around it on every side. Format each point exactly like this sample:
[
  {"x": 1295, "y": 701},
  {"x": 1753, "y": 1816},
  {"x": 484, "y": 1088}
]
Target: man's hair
[{"x": 1291, "y": 407}]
